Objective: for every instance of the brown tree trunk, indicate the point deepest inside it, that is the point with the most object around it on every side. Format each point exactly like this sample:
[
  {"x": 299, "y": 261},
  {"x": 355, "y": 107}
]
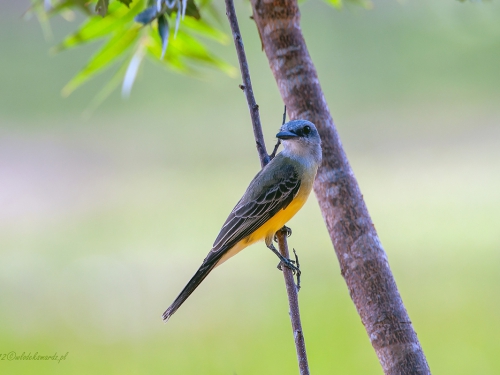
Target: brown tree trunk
[{"x": 363, "y": 261}]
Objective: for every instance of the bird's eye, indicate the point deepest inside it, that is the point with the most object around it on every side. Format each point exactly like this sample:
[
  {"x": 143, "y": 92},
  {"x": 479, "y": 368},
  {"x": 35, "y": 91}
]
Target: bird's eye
[{"x": 306, "y": 130}]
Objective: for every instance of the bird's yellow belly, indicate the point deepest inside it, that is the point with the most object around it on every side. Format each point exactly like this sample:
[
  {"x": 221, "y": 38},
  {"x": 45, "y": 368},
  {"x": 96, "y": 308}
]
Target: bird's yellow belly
[{"x": 267, "y": 231}]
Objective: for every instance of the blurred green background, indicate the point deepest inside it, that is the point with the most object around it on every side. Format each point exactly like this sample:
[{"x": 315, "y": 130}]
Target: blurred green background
[{"x": 104, "y": 218}]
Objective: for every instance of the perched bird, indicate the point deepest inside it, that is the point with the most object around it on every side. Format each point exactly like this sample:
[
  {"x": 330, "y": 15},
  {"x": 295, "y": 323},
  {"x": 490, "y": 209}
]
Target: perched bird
[{"x": 273, "y": 197}]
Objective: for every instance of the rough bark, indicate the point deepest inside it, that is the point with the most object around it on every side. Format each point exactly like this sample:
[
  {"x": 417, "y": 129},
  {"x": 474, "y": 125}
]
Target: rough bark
[{"x": 363, "y": 261}]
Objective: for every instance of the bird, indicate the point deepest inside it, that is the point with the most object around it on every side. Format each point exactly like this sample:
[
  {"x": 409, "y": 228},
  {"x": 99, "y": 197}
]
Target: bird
[{"x": 273, "y": 197}]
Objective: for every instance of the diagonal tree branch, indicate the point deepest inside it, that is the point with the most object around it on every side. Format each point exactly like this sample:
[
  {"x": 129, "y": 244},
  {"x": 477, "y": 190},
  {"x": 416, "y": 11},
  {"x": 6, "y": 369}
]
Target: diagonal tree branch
[
  {"x": 362, "y": 259},
  {"x": 264, "y": 159}
]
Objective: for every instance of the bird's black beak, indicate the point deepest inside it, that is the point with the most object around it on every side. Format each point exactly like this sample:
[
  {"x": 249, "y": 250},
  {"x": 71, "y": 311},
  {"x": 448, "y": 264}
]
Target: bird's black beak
[{"x": 286, "y": 135}]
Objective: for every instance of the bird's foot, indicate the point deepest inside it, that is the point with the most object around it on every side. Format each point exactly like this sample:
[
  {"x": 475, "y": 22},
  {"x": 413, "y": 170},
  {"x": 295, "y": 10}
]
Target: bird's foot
[
  {"x": 285, "y": 230},
  {"x": 288, "y": 263},
  {"x": 298, "y": 266},
  {"x": 293, "y": 265}
]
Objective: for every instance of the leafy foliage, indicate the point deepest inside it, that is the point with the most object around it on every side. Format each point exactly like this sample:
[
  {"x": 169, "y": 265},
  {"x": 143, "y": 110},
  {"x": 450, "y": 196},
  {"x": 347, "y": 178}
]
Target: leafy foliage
[
  {"x": 102, "y": 7},
  {"x": 133, "y": 30}
]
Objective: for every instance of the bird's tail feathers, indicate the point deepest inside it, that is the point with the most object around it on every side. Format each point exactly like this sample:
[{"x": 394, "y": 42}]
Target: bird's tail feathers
[{"x": 208, "y": 265}]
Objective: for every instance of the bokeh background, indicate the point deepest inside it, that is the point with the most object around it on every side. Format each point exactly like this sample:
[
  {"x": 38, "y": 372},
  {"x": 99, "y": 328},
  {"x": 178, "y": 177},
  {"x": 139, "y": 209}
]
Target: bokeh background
[{"x": 104, "y": 218}]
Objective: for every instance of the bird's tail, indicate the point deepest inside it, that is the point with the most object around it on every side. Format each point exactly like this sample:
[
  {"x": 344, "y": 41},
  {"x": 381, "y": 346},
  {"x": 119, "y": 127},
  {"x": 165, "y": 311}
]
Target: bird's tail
[{"x": 208, "y": 265}]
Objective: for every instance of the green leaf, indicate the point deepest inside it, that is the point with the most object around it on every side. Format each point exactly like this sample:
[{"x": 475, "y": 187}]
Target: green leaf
[
  {"x": 132, "y": 69},
  {"x": 147, "y": 15},
  {"x": 115, "y": 47},
  {"x": 80, "y": 4},
  {"x": 191, "y": 10},
  {"x": 126, "y": 2},
  {"x": 173, "y": 58},
  {"x": 201, "y": 27},
  {"x": 102, "y": 7},
  {"x": 164, "y": 32},
  {"x": 172, "y": 61},
  {"x": 97, "y": 27},
  {"x": 187, "y": 48},
  {"x": 194, "y": 49}
]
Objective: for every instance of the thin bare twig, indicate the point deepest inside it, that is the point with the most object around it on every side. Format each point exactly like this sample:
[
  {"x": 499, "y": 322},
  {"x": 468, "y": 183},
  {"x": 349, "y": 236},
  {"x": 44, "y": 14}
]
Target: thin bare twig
[
  {"x": 276, "y": 146},
  {"x": 247, "y": 84},
  {"x": 273, "y": 154},
  {"x": 293, "y": 303},
  {"x": 264, "y": 159}
]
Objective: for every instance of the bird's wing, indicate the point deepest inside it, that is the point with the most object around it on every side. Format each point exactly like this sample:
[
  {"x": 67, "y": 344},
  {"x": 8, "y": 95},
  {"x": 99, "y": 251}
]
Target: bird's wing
[{"x": 248, "y": 216}]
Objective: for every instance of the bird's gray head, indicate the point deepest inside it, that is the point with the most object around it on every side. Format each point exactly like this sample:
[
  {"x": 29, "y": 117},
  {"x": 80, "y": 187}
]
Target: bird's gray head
[{"x": 301, "y": 138}]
